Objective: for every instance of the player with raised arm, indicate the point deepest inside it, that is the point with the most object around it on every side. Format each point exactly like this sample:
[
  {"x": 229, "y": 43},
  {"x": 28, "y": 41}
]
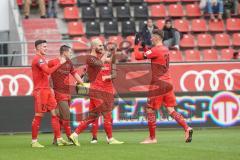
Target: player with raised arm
[
  {"x": 44, "y": 100},
  {"x": 101, "y": 92},
  {"x": 61, "y": 86},
  {"x": 159, "y": 56}
]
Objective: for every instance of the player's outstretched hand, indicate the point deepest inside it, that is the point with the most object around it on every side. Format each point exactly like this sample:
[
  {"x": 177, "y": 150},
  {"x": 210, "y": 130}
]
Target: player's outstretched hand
[
  {"x": 137, "y": 38},
  {"x": 82, "y": 89}
]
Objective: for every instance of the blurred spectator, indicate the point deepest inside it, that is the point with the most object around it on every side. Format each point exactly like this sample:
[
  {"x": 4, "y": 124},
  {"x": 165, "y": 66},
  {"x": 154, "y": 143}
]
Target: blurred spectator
[
  {"x": 230, "y": 7},
  {"x": 235, "y": 56},
  {"x": 214, "y": 7},
  {"x": 41, "y": 4},
  {"x": 52, "y": 7},
  {"x": 172, "y": 36},
  {"x": 146, "y": 32}
]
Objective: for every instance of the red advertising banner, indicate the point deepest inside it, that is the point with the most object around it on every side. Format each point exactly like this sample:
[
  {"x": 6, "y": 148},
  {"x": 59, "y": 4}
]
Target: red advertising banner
[{"x": 211, "y": 76}]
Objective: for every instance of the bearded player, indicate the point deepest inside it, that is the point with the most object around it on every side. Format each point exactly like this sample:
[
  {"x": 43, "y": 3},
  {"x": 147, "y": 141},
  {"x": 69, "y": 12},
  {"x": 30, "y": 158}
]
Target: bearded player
[
  {"x": 44, "y": 100},
  {"x": 61, "y": 86},
  {"x": 159, "y": 56},
  {"x": 101, "y": 91}
]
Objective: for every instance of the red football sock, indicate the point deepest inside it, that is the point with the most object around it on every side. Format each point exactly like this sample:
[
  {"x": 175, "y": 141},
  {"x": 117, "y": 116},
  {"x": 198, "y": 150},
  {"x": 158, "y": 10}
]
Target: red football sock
[
  {"x": 108, "y": 124},
  {"x": 151, "y": 124},
  {"x": 35, "y": 126},
  {"x": 56, "y": 126},
  {"x": 180, "y": 120},
  {"x": 83, "y": 125},
  {"x": 95, "y": 128},
  {"x": 66, "y": 126}
]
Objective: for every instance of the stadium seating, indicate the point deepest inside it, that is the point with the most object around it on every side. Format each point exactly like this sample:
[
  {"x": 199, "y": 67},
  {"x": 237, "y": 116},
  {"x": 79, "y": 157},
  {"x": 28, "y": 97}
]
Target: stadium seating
[
  {"x": 79, "y": 46},
  {"x": 71, "y": 13},
  {"x": 92, "y": 28},
  {"x": 236, "y": 39},
  {"x": 128, "y": 28},
  {"x": 192, "y": 55},
  {"x": 101, "y": 2},
  {"x": 216, "y": 26},
  {"x": 105, "y": 12},
  {"x": 157, "y": 11},
  {"x": 88, "y": 13},
  {"x": 193, "y": 10},
  {"x": 210, "y": 55},
  {"x": 75, "y": 28},
  {"x": 141, "y": 24},
  {"x": 175, "y": 10},
  {"x": 153, "y": 1},
  {"x": 181, "y": 25},
  {"x": 227, "y": 54},
  {"x": 176, "y": 56},
  {"x": 110, "y": 28},
  {"x": 123, "y": 12},
  {"x": 199, "y": 25},
  {"x": 187, "y": 41},
  {"x": 82, "y": 3},
  {"x": 204, "y": 40},
  {"x": 118, "y": 2},
  {"x": 141, "y": 12},
  {"x": 233, "y": 24},
  {"x": 136, "y": 2},
  {"x": 115, "y": 39},
  {"x": 67, "y": 2},
  {"x": 160, "y": 23},
  {"x": 222, "y": 40},
  {"x": 130, "y": 39}
]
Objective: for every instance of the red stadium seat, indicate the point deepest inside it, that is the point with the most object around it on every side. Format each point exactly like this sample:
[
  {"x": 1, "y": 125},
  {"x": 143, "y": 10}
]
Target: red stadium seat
[
  {"x": 210, "y": 55},
  {"x": 160, "y": 23},
  {"x": 75, "y": 28},
  {"x": 233, "y": 24},
  {"x": 187, "y": 41},
  {"x": 20, "y": 2},
  {"x": 199, "y": 25},
  {"x": 193, "y": 10},
  {"x": 170, "y": 1},
  {"x": 236, "y": 39},
  {"x": 181, "y": 25},
  {"x": 153, "y": 1},
  {"x": 175, "y": 56},
  {"x": 227, "y": 54},
  {"x": 222, "y": 40},
  {"x": 80, "y": 46},
  {"x": 216, "y": 26},
  {"x": 71, "y": 13},
  {"x": 157, "y": 10},
  {"x": 192, "y": 55},
  {"x": 204, "y": 40},
  {"x": 67, "y": 2},
  {"x": 102, "y": 38},
  {"x": 175, "y": 10},
  {"x": 115, "y": 39}
]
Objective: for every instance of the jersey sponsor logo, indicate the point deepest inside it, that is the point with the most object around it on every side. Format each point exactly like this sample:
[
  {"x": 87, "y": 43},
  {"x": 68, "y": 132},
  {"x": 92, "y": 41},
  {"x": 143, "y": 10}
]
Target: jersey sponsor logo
[
  {"x": 148, "y": 52},
  {"x": 40, "y": 62}
]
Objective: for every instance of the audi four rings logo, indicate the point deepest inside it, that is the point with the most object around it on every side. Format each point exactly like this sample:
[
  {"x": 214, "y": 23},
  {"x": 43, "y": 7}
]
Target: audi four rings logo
[
  {"x": 214, "y": 80},
  {"x": 13, "y": 85}
]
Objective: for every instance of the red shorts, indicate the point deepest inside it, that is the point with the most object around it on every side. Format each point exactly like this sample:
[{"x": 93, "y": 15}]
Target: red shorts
[
  {"x": 44, "y": 100},
  {"x": 99, "y": 105},
  {"x": 168, "y": 100}
]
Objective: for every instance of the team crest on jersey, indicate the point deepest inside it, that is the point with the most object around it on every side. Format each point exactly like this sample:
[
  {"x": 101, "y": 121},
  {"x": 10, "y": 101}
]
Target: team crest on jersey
[
  {"x": 40, "y": 61},
  {"x": 148, "y": 52}
]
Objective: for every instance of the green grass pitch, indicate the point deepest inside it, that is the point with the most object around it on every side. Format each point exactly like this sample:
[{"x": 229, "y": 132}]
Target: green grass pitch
[{"x": 207, "y": 144}]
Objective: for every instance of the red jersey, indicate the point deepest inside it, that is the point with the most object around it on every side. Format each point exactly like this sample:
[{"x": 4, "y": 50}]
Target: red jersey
[
  {"x": 159, "y": 56},
  {"x": 60, "y": 77},
  {"x": 96, "y": 70},
  {"x": 41, "y": 72}
]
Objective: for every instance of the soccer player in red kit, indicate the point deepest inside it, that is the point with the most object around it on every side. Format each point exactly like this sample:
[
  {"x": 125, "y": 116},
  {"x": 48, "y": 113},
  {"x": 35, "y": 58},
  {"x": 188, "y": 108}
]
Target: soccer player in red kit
[
  {"x": 44, "y": 100},
  {"x": 159, "y": 56},
  {"x": 61, "y": 86},
  {"x": 101, "y": 91}
]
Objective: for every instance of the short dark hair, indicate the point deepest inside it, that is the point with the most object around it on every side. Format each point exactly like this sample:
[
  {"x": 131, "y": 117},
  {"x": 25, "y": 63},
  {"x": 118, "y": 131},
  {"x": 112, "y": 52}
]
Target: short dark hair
[
  {"x": 168, "y": 20},
  {"x": 38, "y": 42},
  {"x": 64, "y": 48},
  {"x": 158, "y": 32}
]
